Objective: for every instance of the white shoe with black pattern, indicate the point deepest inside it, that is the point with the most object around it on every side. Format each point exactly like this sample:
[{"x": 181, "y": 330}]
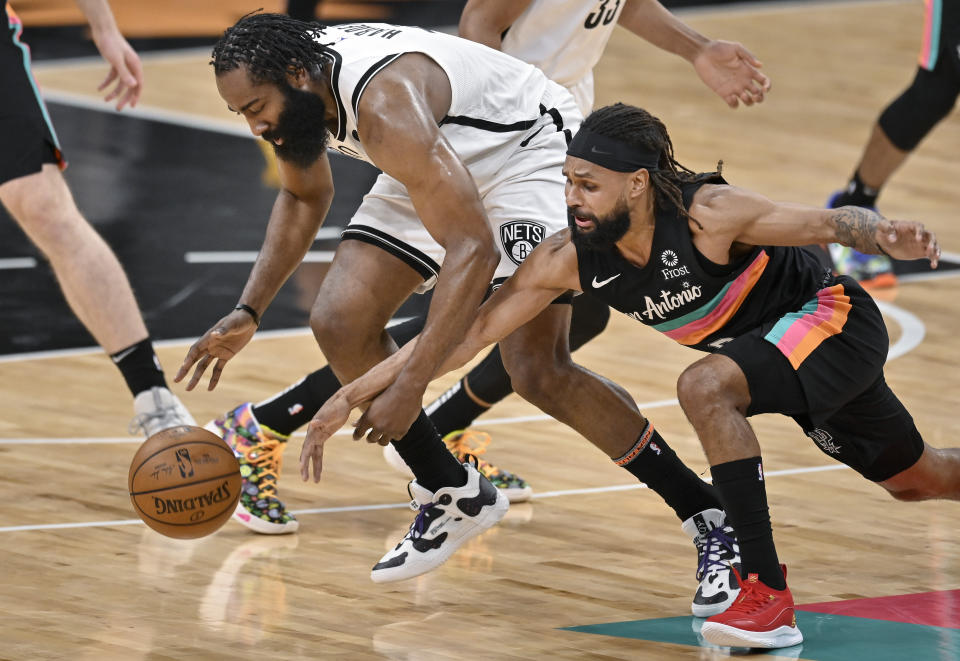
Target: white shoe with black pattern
[{"x": 445, "y": 520}]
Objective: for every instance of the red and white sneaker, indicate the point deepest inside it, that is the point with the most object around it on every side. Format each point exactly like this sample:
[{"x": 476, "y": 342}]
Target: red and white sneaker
[{"x": 759, "y": 617}]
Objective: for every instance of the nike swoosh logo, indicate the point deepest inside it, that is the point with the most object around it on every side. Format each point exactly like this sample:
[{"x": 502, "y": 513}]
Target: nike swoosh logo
[
  {"x": 599, "y": 151},
  {"x": 597, "y": 284},
  {"x": 123, "y": 354}
]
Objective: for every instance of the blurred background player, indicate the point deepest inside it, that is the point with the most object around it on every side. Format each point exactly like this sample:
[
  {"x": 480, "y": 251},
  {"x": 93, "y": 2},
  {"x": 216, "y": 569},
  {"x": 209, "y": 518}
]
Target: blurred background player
[
  {"x": 34, "y": 192},
  {"x": 581, "y": 31},
  {"x": 899, "y": 129}
]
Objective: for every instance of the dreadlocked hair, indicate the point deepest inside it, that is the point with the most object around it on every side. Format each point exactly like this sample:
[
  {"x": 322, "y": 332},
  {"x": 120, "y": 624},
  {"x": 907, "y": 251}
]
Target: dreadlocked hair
[
  {"x": 638, "y": 128},
  {"x": 270, "y": 46}
]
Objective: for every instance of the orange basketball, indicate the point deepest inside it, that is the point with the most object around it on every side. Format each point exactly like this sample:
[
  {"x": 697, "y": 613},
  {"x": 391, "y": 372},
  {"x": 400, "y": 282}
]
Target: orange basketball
[{"x": 184, "y": 482}]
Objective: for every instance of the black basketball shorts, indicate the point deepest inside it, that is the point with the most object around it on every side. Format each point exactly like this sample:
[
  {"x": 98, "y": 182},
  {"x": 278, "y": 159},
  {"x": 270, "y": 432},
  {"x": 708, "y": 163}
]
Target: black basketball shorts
[
  {"x": 26, "y": 131},
  {"x": 823, "y": 366}
]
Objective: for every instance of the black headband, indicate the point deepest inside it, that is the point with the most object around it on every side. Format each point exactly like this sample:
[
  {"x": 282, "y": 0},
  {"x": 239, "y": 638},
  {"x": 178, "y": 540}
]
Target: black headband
[{"x": 611, "y": 154}]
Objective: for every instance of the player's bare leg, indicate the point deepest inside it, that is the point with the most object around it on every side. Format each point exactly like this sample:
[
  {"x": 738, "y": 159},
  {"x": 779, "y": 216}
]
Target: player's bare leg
[
  {"x": 935, "y": 475},
  {"x": 93, "y": 282}
]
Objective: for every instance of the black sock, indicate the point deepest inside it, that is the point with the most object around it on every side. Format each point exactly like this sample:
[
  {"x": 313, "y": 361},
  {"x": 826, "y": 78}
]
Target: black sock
[
  {"x": 487, "y": 382},
  {"x": 857, "y": 194},
  {"x": 655, "y": 464},
  {"x": 295, "y": 406},
  {"x": 455, "y": 409},
  {"x": 433, "y": 466},
  {"x": 140, "y": 367},
  {"x": 744, "y": 496}
]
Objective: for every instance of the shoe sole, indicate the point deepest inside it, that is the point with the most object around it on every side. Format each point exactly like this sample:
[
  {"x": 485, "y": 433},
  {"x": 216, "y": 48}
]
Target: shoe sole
[
  {"x": 483, "y": 522},
  {"x": 724, "y": 635},
  {"x": 393, "y": 459},
  {"x": 258, "y": 525}
]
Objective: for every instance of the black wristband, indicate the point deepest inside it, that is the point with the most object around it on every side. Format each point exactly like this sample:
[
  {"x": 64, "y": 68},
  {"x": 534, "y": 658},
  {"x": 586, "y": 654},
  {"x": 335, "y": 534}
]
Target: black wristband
[{"x": 249, "y": 310}]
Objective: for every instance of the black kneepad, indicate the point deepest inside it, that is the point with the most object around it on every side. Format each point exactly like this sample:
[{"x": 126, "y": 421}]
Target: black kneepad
[{"x": 930, "y": 97}]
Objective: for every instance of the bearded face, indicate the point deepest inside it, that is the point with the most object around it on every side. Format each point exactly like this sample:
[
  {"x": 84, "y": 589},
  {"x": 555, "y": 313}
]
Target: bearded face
[
  {"x": 300, "y": 128},
  {"x": 606, "y": 230}
]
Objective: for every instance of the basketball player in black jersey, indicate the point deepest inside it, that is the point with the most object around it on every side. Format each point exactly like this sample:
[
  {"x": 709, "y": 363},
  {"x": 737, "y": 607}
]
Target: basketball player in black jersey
[{"x": 716, "y": 268}]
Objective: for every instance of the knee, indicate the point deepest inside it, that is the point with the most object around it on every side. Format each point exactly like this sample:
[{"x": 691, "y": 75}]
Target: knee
[
  {"x": 703, "y": 388},
  {"x": 327, "y": 321},
  {"x": 537, "y": 380}
]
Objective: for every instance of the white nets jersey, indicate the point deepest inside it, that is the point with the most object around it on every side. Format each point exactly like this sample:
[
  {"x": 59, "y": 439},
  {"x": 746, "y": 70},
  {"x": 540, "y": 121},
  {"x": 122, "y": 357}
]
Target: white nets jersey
[
  {"x": 496, "y": 99},
  {"x": 565, "y": 38},
  {"x": 507, "y": 122}
]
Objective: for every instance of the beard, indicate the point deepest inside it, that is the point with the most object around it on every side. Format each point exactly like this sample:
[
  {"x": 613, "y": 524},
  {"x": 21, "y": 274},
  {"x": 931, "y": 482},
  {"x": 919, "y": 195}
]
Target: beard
[
  {"x": 607, "y": 230},
  {"x": 301, "y": 127}
]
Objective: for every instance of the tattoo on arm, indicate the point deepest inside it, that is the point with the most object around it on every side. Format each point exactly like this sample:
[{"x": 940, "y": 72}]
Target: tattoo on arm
[{"x": 857, "y": 227}]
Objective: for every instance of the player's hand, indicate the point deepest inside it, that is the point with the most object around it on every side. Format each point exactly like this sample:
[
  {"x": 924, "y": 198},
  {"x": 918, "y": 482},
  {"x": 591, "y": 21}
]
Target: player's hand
[
  {"x": 331, "y": 417},
  {"x": 907, "y": 239},
  {"x": 125, "y": 69},
  {"x": 220, "y": 343},
  {"x": 732, "y": 72},
  {"x": 390, "y": 415}
]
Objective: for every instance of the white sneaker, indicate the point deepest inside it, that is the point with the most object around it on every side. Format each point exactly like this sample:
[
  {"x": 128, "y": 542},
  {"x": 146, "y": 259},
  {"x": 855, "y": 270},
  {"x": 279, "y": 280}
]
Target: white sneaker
[
  {"x": 717, "y": 554},
  {"x": 446, "y": 519},
  {"x": 158, "y": 409}
]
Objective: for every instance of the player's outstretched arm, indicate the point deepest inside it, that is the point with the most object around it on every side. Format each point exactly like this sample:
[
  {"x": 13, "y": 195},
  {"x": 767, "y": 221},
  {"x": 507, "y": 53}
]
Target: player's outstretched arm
[
  {"x": 735, "y": 215},
  {"x": 548, "y": 272},
  {"x": 125, "y": 67},
  {"x": 726, "y": 67}
]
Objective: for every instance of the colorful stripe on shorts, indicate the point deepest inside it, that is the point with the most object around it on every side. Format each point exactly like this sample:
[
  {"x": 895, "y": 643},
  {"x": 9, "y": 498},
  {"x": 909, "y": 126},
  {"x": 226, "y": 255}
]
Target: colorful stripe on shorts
[
  {"x": 797, "y": 334},
  {"x": 710, "y": 317},
  {"x": 637, "y": 447},
  {"x": 931, "y": 34}
]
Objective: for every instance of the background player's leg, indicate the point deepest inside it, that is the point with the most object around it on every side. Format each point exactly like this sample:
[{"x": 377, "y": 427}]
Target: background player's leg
[
  {"x": 96, "y": 288},
  {"x": 88, "y": 272}
]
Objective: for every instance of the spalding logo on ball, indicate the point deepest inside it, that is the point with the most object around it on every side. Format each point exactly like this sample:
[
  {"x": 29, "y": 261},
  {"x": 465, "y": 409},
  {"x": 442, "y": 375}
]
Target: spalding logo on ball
[{"x": 184, "y": 482}]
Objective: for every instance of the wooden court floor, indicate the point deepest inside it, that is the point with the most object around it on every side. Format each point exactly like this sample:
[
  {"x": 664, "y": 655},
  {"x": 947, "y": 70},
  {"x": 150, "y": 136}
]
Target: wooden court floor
[{"x": 83, "y": 579}]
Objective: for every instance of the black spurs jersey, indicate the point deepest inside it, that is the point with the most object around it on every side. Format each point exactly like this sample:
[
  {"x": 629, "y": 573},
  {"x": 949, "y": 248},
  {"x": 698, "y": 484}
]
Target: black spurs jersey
[{"x": 694, "y": 301}]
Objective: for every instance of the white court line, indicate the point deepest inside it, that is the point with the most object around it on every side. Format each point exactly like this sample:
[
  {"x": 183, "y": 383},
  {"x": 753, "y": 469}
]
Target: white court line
[
  {"x": 385, "y": 506},
  {"x": 346, "y": 431},
  {"x": 18, "y": 263},
  {"x": 912, "y": 330},
  {"x": 249, "y": 256}
]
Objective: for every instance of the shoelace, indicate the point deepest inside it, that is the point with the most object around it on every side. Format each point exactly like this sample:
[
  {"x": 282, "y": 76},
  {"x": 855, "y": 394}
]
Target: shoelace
[
  {"x": 472, "y": 443},
  {"x": 750, "y": 599},
  {"x": 420, "y": 523},
  {"x": 710, "y": 546},
  {"x": 267, "y": 455}
]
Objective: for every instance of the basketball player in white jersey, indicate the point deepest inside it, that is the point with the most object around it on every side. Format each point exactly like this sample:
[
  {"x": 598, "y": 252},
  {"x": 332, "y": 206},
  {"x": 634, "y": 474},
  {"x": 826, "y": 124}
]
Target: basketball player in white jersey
[
  {"x": 565, "y": 39},
  {"x": 448, "y": 121}
]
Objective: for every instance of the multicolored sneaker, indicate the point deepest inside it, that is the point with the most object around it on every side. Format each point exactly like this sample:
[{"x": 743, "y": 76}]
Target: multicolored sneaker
[
  {"x": 871, "y": 271},
  {"x": 759, "y": 617},
  {"x": 260, "y": 452},
  {"x": 158, "y": 409},
  {"x": 461, "y": 443},
  {"x": 445, "y": 520},
  {"x": 718, "y": 557}
]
